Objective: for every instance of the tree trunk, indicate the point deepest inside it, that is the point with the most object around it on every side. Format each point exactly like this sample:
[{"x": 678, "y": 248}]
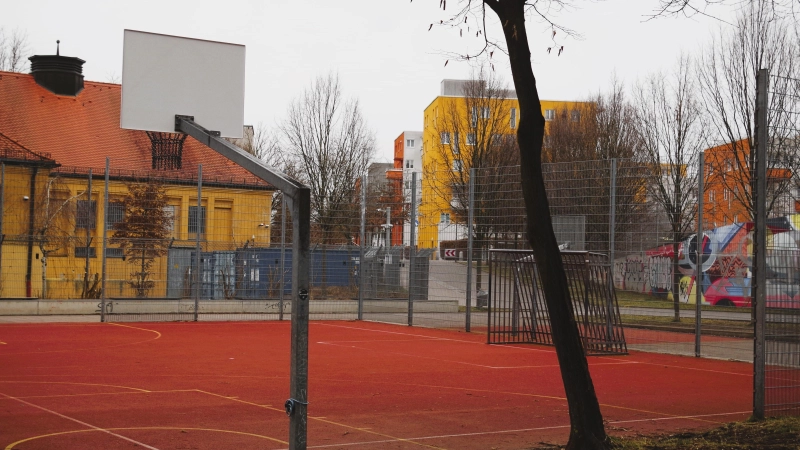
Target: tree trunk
[{"x": 586, "y": 421}]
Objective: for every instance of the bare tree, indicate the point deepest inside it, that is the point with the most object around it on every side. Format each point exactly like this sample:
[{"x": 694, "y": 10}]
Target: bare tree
[
  {"x": 327, "y": 140},
  {"x": 13, "y": 48},
  {"x": 671, "y": 132},
  {"x": 581, "y": 143},
  {"x": 143, "y": 234},
  {"x": 474, "y": 130},
  {"x": 54, "y": 222},
  {"x": 586, "y": 421},
  {"x": 762, "y": 38}
]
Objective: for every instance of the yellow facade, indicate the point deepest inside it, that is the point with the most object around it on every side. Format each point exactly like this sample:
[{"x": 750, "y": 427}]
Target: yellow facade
[
  {"x": 460, "y": 112},
  {"x": 234, "y": 218}
]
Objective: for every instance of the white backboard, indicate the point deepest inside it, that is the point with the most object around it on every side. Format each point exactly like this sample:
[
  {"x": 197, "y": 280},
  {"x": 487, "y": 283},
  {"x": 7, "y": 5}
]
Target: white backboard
[{"x": 167, "y": 75}]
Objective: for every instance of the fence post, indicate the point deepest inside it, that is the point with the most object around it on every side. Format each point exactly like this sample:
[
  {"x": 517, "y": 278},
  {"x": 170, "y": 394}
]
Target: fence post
[
  {"x": 105, "y": 246},
  {"x": 301, "y": 238},
  {"x": 760, "y": 242},
  {"x": 698, "y": 284},
  {"x": 199, "y": 224},
  {"x": 470, "y": 221},
  {"x": 88, "y": 236},
  {"x": 612, "y": 227},
  {"x": 362, "y": 242},
  {"x": 2, "y": 214},
  {"x": 413, "y": 249}
]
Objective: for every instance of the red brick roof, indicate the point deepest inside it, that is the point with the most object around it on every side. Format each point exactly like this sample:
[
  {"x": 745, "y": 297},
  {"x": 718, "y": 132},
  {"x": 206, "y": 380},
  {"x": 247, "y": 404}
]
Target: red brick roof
[
  {"x": 12, "y": 151},
  {"x": 80, "y": 132}
]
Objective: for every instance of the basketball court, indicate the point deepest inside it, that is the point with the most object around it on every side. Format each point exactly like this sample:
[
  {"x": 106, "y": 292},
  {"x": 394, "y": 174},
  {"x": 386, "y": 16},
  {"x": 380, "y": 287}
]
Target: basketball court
[{"x": 371, "y": 385}]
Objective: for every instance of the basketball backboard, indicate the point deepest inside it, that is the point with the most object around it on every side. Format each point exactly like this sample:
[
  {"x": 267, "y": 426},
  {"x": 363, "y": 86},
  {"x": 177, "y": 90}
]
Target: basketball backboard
[{"x": 166, "y": 75}]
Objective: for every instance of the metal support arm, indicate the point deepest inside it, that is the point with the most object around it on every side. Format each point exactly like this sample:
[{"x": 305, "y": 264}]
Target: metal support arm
[{"x": 186, "y": 124}]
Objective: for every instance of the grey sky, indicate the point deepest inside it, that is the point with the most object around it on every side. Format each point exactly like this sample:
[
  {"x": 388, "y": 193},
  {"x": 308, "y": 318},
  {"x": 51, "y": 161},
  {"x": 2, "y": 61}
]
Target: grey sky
[{"x": 382, "y": 49}]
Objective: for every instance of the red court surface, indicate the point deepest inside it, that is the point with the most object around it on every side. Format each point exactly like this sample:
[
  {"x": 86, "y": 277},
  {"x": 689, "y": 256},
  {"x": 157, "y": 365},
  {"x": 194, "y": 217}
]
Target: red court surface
[{"x": 373, "y": 386}]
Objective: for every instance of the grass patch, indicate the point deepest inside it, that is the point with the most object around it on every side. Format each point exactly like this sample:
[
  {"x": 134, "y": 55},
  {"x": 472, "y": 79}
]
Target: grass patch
[
  {"x": 774, "y": 433},
  {"x": 636, "y": 299},
  {"x": 778, "y": 433}
]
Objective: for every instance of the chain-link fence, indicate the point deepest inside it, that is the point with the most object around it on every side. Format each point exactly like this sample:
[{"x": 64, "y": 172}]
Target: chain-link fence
[
  {"x": 186, "y": 235},
  {"x": 777, "y": 274}
]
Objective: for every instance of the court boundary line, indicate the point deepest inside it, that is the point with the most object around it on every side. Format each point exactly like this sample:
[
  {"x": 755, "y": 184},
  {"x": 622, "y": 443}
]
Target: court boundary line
[
  {"x": 454, "y": 361},
  {"x": 104, "y": 325},
  {"x": 553, "y": 427},
  {"x": 133, "y": 441},
  {"x": 216, "y": 430}
]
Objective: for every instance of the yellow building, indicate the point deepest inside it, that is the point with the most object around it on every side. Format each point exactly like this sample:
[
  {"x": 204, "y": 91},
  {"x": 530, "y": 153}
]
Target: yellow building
[
  {"x": 469, "y": 125},
  {"x": 54, "y": 130}
]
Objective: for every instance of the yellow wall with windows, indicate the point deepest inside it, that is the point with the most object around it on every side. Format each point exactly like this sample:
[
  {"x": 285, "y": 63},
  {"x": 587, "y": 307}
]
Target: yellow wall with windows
[
  {"x": 234, "y": 217},
  {"x": 432, "y": 203}
]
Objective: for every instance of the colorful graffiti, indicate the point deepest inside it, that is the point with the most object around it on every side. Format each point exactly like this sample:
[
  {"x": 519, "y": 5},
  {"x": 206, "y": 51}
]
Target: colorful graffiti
[{"x": 725, "y": 259}]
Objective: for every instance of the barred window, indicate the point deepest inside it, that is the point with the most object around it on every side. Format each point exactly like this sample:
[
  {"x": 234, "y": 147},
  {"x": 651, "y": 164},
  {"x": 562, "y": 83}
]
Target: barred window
[
  {"x": 113, "y": 252},
  {"x": 193, "y": 220},
  {"x": 86, "y": 215},
  {"x": 116, "y": 214},
  {"x": 80, "y": 252}
]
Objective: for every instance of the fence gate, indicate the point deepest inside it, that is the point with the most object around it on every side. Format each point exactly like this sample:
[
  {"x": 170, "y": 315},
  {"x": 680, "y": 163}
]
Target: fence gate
[{"x": 518, "y": 311}]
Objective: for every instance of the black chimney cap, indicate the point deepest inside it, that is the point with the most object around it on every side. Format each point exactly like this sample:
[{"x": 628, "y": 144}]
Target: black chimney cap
[{"x": 61, "y": 75}]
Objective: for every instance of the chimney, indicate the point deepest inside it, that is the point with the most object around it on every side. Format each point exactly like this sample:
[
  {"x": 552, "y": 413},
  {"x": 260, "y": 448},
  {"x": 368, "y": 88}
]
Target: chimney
[{"x": 61, "y": 75}]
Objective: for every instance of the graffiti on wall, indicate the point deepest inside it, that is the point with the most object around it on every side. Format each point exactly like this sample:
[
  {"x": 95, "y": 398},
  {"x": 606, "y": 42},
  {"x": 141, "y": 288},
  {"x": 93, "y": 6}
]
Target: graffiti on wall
[{"x": 725, "y": 259}]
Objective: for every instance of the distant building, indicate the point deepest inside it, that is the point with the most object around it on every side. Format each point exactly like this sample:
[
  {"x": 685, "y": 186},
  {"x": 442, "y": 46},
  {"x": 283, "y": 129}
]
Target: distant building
[
  {"x": 445, "y": 148},
  {"x": 727, "y": 186}
]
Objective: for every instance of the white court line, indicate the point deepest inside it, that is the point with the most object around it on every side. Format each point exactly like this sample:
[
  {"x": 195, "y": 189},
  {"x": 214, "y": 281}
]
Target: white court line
[
  {"x": 79, "y": 422},
  {"x": 436, "y": 338},
  {"x": 483, "y": 433},
  {"x": 461, "y": 362}
]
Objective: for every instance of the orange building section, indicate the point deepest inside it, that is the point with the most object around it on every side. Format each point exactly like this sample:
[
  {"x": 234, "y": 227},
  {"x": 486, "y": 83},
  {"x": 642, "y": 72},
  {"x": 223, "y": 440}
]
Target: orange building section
[
  {"x": 395, "y": 179},
  {"x": 399, "y": 151},
  {"x": 727, "y": 183}
]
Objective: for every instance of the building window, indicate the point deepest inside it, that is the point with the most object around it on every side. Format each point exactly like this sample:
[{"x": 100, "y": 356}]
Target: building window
[
  {"x": 711, "y": 196},
  {"x": 486, "y": 112},
  {"x": 458, "y": 165},
  {"x": 80, "y": 252},
  {"x": 86, "y": 215},
  {"x": 409, "y": 164},
  {"x": 444, "y": 218},
  {"x": 193, "y": 220},
  {"x": 728, "y": 166},
  {"x": 116, "y": 214},
  {"x": 575, "y": 115},
  {"x": 735, "y": 218},
  {"x": 169, "y": 214},
  {"x": 710, "y": 168},
  {"x": 456, "y": 147},
  {"x": 445, "y": 137},
  {"x": 409, "y": 142},
  {"x": 725, "y": 193},
  {"x": 474, "y": 116},
  {"x": 513, "y": 122},
  {"x": 112, "y": 252},
  {"x": 549, "y": 114},
  {"x": 470, "y": 138}
]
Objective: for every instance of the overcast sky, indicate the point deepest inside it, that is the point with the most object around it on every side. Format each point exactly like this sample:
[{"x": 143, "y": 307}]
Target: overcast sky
[{"x": 382, "y": 49}]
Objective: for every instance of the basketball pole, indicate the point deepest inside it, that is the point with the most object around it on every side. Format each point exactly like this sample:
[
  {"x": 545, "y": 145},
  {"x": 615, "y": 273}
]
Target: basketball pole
[{"x": 299, "y": 199}]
